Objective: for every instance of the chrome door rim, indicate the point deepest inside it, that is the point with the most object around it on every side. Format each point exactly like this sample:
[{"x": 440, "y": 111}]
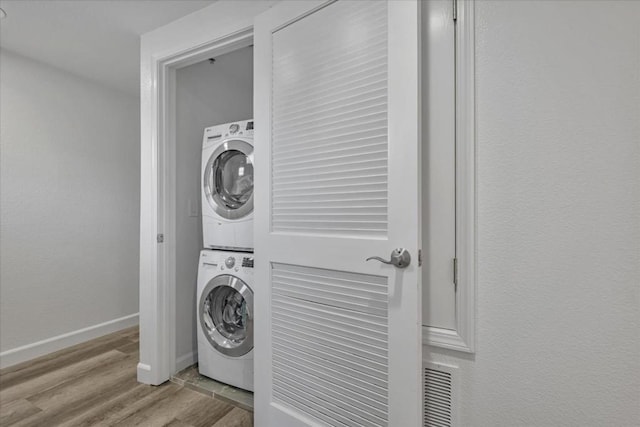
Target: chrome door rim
[
  {"x": 215, "y": 338},
  {"x": 230, "y": 144}
]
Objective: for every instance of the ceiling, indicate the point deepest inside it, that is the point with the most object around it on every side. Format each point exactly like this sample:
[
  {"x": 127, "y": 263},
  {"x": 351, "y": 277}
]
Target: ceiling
[{"x": 96, "y": 39}]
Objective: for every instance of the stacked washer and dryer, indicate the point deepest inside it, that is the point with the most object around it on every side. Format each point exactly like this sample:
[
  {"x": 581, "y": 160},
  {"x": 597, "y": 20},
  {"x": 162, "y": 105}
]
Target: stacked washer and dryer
[{"x": 225, "y": 270}]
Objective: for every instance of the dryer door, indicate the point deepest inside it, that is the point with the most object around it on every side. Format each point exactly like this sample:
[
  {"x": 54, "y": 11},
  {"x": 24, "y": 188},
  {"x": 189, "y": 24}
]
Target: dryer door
[
  {"x": 226, "y": 315},
  {"x": 228, "y": 179}
]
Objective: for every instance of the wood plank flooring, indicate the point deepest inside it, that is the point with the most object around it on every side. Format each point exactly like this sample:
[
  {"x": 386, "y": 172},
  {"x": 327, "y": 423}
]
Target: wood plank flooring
[{"x": 94, "y": 384}]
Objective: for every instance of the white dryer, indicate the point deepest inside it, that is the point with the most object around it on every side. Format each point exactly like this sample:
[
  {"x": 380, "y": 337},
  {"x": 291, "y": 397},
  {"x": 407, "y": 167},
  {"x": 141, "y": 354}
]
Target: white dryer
[
  {"x": 227, "y": 186},
  {"x": 225, "y": 317}
]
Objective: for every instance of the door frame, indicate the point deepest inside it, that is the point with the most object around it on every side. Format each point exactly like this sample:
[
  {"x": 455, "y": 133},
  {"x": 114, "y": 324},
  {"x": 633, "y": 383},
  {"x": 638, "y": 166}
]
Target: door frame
[{"x": 184, "y": 42}]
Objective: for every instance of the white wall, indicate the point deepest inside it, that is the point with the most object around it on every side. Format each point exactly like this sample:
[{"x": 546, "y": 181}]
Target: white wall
[
  {"x": 438, "y": 165},
  {"x": 69, "y": 187},
  {"x": 558, "y": 146},
  {"x": 206, "y": 94}
]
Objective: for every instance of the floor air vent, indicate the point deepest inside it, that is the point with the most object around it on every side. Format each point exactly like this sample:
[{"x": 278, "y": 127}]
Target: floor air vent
[{"x": 439, "y": 395}]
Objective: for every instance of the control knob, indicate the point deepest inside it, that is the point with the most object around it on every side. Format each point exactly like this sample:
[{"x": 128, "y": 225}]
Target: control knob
[{"x": 230, "y": 262}]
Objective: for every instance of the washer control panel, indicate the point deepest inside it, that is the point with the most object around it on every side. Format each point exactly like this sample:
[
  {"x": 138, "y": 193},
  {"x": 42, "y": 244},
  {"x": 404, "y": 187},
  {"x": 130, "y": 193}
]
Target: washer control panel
[{"x": 224, "y": 261}]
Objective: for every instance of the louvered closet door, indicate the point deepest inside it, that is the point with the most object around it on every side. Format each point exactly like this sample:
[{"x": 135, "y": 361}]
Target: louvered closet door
[{"x": 338, "y": 339}]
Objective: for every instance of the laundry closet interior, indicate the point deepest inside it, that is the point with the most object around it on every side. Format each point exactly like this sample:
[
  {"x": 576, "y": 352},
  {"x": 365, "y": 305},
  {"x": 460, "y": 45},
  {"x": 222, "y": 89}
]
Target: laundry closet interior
[{"x": 214, "y": 183}]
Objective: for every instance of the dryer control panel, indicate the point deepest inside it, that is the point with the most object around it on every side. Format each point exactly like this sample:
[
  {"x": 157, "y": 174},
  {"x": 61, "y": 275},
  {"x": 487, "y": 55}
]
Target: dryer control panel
[
  {"x": 243, "y": 128},
  {"x": 214, "y": 134}
]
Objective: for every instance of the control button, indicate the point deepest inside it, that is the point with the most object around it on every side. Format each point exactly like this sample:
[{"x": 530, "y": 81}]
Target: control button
[
  {"x": 234, "y": 128},
  {"x": 237, "y": 269},
  {"x": 230, "y": 262}
]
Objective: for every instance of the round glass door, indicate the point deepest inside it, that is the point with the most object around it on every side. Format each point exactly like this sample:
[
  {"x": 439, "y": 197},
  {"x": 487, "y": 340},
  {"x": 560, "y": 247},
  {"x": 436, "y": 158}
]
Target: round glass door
[
  {"x": 226, "y": 315},
  {"x": 228, "y": 180}
]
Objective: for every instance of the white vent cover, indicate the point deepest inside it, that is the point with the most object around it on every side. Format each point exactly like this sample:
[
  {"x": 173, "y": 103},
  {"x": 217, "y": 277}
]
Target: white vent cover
[{"x": 440, "y": 395}]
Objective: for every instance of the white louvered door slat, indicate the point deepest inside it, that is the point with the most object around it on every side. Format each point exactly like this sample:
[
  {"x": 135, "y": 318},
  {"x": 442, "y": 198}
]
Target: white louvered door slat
[
  {"x": 338, "y": 339},
  {"x": 307, "y": 86}
]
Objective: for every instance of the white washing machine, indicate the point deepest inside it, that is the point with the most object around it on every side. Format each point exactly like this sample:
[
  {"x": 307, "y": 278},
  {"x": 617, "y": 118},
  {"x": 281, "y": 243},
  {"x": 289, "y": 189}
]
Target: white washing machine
[
  {"x": 227, "y": 186},
  {"x": 225, "y": 317}
]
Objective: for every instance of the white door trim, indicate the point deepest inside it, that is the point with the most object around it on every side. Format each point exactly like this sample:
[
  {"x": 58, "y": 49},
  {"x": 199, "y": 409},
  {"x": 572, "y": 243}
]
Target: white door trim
[
  {"x": 464, "y": 337},
  {"x": 466, "y": 173},
  {"x": 220, "y": 28}
]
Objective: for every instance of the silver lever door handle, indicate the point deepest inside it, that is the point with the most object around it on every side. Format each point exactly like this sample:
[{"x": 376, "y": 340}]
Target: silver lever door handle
[{"x": 399, "y": 257}]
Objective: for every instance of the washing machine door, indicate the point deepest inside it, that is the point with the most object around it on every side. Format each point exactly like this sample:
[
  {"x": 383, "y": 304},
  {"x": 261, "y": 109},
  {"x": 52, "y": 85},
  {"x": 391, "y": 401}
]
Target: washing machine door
[
  {"x": 228, "y": 179},
  {"x": 226, "y": 315}
]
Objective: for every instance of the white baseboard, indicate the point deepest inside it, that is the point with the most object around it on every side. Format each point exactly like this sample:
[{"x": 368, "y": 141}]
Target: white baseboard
[
  {"x": 186, "y": 360},
  {"x": 144, "y": 374},
  {"x": 49, "y": 345}
]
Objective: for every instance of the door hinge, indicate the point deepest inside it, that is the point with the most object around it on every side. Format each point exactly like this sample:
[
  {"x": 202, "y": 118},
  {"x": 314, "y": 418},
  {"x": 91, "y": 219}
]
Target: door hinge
[
  {"x": 419, "y": 257},
  {"x": 160, "y": 238},
  {"x": 455, "y": 10},
  {"x": 455, "y": 273}
]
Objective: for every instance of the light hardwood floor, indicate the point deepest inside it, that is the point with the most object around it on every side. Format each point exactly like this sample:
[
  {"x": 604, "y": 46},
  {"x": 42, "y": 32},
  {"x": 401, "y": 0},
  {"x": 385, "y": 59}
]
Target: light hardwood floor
[{"x": 94, "y": 384}]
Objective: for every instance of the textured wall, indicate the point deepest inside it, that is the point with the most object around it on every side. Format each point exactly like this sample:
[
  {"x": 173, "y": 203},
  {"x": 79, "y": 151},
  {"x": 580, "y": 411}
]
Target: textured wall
[
  {"x": 558, "y": 163},
  {"x": 69, "y": 191},
  {"x": 206, "y": 95}
]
